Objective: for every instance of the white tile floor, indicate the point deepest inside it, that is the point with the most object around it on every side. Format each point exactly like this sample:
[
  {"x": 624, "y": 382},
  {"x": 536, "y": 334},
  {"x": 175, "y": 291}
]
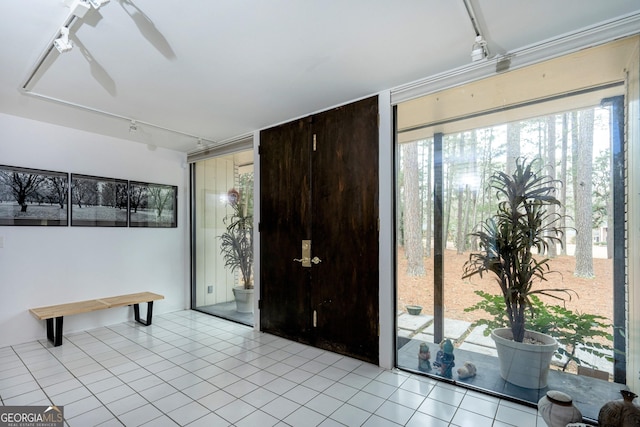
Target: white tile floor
[{"x": 193, "y": 369}]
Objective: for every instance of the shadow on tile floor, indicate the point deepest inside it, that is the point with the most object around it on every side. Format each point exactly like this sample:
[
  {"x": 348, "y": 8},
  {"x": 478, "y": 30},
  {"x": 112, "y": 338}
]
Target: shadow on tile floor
[{"x": 227, "y": 310}]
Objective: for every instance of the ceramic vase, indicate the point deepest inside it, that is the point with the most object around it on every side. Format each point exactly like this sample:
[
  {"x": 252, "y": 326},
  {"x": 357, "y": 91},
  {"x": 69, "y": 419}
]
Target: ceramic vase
[
  {"x": 557, "y": 409},
  {"x": 414, "y": 310},
  {"x": 620, "y": 413}
]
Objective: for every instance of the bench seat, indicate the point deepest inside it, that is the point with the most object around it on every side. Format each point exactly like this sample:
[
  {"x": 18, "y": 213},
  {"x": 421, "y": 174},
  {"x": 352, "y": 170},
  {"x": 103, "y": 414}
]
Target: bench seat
[{"x": 58, "y": 311}]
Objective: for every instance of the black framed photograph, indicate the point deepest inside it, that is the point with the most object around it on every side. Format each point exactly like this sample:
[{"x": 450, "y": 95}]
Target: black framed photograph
[
  {"x": 33, "y": 196},
  {"x": 153, "y": 205},
  {"x": 98, "y": 201}
]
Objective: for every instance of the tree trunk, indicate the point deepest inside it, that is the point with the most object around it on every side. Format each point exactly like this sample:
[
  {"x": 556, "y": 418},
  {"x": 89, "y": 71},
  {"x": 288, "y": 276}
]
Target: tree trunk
[
  {"x": 412, "y": 217},
  {"x": 471, "y": 219},
  {"x": 610, "y": 218},
  {"x": 448, "y": 202},
  {"x": 575, "y": 138},
  {"x": 551, "y": 155},
  {"x": 459, "y": 216},
  {"x": 429, "y": 199},
  {"x": 609, "y": 237},
  {"x": 564, "y": 181},
  {"x": 513, "y": 146},
  {"x": 485, "y": 196},
  {"x": 460, "y": 196},
  {"x": 584, "y": 205}
]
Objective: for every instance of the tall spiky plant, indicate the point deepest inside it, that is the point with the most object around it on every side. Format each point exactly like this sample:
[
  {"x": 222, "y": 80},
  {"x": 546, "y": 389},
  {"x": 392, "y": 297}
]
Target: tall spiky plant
[
  {"x": 507, "y": 240},
  {"x": 237, "y": 242}
]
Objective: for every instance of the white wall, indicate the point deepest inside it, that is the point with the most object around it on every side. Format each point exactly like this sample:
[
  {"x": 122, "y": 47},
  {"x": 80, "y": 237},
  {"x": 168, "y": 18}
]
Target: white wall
[
  {"x": 213, "y": 178},
  {"x": 50, "y": 265}
]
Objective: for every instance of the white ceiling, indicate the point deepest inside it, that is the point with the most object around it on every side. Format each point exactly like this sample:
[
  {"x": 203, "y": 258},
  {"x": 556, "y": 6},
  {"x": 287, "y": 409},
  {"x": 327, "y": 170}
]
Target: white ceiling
[{"x": 221, "y": 69}]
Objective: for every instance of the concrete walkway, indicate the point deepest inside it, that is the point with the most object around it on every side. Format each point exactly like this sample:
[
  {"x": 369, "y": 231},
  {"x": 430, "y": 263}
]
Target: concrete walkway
[
  {"x": 420, "y": 327},
  {"x": 465, "y": 337}
]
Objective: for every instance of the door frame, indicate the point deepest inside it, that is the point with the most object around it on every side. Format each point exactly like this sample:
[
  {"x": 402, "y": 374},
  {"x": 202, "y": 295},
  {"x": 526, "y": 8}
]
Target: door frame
[{"x": 386, "y": 234}]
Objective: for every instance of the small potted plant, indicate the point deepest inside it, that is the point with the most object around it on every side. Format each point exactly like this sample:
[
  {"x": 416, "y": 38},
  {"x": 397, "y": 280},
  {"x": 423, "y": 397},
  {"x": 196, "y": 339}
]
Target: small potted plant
[
  {"x": 512, "y": 243},
  {"x": 237, "y": 248}
]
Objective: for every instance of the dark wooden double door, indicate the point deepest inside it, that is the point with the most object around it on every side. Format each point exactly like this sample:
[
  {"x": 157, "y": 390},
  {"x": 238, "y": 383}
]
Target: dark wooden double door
[{"x": 319, "y": 183}]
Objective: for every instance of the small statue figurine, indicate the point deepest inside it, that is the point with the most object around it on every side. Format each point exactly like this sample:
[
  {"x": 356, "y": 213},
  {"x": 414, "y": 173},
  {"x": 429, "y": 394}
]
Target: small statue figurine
[
  {"x": 444, "y": 359},
  {"x": 620, "y": 413},
  {"x": 468, "y": 370},
  {"x": 424, "y": 356}
]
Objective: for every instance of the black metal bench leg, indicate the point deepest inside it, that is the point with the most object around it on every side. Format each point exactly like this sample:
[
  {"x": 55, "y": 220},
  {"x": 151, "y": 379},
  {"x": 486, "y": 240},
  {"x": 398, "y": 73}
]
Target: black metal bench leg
[
  {"x": 55, "y": 337},
  {"x": 136, "y": 312}
]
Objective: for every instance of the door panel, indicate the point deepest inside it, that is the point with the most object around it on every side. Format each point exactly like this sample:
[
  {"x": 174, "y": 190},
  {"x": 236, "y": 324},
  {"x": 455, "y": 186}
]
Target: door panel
[
  {"x": 284, "y": 221},
  {"x": 345, "y": 229},
  {"x": 327, "y": 192}
]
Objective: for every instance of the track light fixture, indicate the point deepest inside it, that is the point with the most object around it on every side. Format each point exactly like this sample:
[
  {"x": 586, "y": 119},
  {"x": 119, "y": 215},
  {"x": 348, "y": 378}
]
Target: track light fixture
[
  {"x": 97, "y": 3},
  {"x": 479, "y": 49},
  {"x": 78, "y": 8},
  {"x": 63, "y": 44}
]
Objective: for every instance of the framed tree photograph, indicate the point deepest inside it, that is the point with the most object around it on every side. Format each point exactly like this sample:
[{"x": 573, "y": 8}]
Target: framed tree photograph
[
  {"x": 33, "y": 197},
  {"x": 153, "y": 205},
  {"x": 98, "y": 201}
]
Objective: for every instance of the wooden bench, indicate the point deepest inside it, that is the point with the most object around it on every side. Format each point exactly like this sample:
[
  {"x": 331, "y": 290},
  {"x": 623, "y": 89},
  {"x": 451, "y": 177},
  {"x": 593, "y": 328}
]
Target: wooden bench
[{"x": 58, "y": 311}]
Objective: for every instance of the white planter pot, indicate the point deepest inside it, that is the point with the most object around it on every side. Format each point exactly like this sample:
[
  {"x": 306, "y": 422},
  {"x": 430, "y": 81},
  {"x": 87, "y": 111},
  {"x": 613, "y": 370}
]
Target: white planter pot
[
  {"x": 522, "y": 364},
  {"x": 244, "y": 299}
]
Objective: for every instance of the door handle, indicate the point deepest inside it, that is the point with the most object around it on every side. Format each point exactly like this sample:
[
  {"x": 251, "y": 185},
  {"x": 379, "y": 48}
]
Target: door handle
[{"x": 306, "y": 259}]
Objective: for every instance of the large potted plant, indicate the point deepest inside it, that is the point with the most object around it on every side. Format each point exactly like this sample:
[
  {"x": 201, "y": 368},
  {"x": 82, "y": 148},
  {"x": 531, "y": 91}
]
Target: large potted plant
[
  {"x": 512, "y": 244},
  {"x": 237, "y": 248}
]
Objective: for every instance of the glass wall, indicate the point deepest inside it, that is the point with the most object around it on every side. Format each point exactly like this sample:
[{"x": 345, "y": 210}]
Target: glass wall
[
  {"x": 221, "y": 185},
  {"x": 449, "y": 146}
]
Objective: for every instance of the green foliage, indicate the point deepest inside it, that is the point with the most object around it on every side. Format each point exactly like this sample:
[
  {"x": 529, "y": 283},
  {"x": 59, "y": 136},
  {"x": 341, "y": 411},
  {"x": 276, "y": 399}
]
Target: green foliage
[
  {"x": 572, "y": 330},
  {"x": 236, "y": 244},
  {"x": 507, "y": 240}
]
